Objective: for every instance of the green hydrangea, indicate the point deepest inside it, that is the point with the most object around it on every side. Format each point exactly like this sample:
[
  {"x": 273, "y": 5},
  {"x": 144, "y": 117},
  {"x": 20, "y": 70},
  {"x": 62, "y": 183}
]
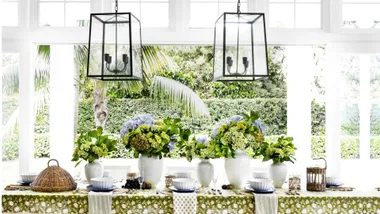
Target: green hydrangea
[{"x": 139, "y": 142}]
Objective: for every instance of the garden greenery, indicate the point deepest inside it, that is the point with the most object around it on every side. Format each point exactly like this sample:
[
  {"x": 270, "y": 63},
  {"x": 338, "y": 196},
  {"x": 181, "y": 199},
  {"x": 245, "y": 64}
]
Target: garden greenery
[{"x": 196, "y": 147}]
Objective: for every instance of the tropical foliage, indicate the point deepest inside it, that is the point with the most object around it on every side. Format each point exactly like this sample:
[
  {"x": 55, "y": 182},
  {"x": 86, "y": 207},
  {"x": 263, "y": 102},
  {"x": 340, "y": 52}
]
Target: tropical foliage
[
  {"x": 281, "y": 151},
  {"x": 93, "y": 145}
]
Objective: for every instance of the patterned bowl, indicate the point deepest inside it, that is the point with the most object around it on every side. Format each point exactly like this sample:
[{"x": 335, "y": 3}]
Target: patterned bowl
[
  {"x": 102, "y": 183},
  {"x": 261, "y": 184},
  {"x": 28, "y": 177},
  {"x": 184, "y": 183},
  {"x": 260, "y": 175},
  {"x": 182, "y": 174}
]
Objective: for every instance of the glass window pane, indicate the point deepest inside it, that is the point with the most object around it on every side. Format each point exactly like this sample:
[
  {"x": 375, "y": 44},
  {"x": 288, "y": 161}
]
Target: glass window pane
[
  {"x": 203, "y": 14},
  {"x": 350, "y": 119},
  {"x": 9, "y": 14},
  {"x": 308, "y": 16},
  {"x": 10, "y": 130},
  {"x": 360, "y": 15},
  {"x": 155, "y": 14},
  {"x": 375, "y": 107},
  {"x": 281, "y": 16},
  {"x": 77, "y": 13},
  {"x": 52, "y": 14}
]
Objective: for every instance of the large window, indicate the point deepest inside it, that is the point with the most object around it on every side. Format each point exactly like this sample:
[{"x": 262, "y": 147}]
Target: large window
[
  {"x": 9, "y": 13},
  {"x": 295, "y": 13},
  {"x": 204, "y": 13},
  {"x": 360, "y": 13},
  {"x": 10, "y": 128},
  {"x": 63, "y": 13},
  {"x": 152, "y": 13}
]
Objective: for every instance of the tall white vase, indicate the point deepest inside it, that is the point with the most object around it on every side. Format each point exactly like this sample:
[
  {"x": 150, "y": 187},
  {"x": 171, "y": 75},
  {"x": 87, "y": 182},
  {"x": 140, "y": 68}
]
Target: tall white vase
[
  {"x": 238, "y": 169},
  {"x": 93, "y": 170},
  {"x": 278, "y": 174},
  {"x": 205, "y": 172},
  {"x": 151, "y": 168}
]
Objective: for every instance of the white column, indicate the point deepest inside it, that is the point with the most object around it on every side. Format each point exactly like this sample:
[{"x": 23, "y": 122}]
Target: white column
[
  {"x": 300, "y": 66},
  {"x": 61, "y": 104},
  {"x": 26, "y": 107},
  {"x": 333, "y": 110}
]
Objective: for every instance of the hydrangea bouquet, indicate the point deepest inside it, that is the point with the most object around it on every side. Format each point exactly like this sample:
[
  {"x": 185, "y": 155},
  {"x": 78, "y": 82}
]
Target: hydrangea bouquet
[
  {"x": 198, "y": 146},
  {"x": 240, "y": 132},
  {"x": 142, "y": 134},
  {"x": 93, "y": 145}
]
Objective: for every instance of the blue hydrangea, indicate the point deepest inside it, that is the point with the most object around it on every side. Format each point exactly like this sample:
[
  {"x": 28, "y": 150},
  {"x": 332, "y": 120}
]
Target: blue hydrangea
[
  {"x": 171, "y": 145},
  {"x": 202, "y": 139},
  {"x": 135, "y": 122},
  {"x": 236, "y": 118},
  {"x": 260, "y": 125},
  {"x": 214, "y": 132}
]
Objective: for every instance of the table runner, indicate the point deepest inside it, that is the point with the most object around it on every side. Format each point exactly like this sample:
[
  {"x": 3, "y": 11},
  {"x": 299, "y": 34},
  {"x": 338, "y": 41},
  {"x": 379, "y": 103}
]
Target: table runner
[
  {"x": 266, "y": 203},
  {"x": 100, "y": 202},
  {"x": 185, "y": 203}
]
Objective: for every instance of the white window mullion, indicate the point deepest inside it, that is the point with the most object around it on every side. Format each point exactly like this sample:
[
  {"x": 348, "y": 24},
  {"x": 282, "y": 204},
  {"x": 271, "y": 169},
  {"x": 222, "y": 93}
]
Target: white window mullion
[{"x": 365, "y": 107}]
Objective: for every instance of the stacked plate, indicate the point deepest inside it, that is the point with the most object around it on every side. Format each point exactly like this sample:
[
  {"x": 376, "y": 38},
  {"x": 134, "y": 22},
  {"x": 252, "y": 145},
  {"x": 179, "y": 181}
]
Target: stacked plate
[
  {"x": 27, "y": 178},
  {"x": 101, "y": 184},
  {"x": 261, "y": 183},
  {"x": 184, "y": 185}
]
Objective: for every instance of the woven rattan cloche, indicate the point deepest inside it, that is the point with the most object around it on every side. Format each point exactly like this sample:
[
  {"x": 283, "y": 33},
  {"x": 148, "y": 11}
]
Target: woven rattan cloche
[{"x": 54, "y": 179}]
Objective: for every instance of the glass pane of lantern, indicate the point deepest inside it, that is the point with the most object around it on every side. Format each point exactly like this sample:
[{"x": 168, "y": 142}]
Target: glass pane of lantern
[
  {"x": 259, "y": 48},
  {"x": 96, "y": 37},
  {"x": 117, "y": 46},
  {"x": 136, "y": 48},
  {"x": 218, "y": 49}
]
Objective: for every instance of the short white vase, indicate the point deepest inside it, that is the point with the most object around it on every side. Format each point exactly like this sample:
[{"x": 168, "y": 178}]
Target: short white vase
[
  {"x": 93, "y": 170},
  {"x": 237, "y": 169},
  {"x": 278, "y": 174},
  {"x": 205, "y": 172},
  {"x": 151, "y": 168}
]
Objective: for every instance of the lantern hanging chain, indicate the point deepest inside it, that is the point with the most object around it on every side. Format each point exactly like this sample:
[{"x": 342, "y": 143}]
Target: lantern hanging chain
[
  {"x": 116, "y": 6},
  {"x": 238, "y": 6}
]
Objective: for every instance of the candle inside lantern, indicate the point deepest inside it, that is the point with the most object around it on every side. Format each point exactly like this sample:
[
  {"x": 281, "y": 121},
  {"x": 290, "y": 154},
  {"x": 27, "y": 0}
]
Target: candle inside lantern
[
  {"x": 229, "y": 61},
  {"x": 245, "y": 60},
  {"x": 125, "y": 58}
]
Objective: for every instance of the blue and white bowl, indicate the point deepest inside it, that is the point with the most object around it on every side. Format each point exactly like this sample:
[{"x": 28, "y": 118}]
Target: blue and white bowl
[
  {"x": 28, "y": 177},
  {"x": 102, "y": 183},
  {"x": 261, "y": 184},
  {"x": 184, "y": 183}
]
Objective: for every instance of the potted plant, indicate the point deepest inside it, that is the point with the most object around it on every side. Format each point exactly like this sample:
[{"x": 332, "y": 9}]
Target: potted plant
[
  {"x": 279, "y": 152},
  {"x": 200, "y": 147},
  {"x": 150, "y": 140},
  {"x": 234, "y": 139},
  {"x": 90, "y": 147}
]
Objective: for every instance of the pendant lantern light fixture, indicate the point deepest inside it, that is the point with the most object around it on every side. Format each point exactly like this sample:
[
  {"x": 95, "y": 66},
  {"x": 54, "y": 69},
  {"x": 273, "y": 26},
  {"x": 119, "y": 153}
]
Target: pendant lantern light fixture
[
  {"x": 115, "y": 47},
  {"x": 240, "y": 47}
]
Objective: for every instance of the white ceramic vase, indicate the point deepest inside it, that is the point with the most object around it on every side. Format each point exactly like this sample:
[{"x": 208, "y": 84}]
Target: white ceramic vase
[
  {"x": 151, "y": 168},
  {"x": 238, "y": 169},
  {"x": 93, "y": 170},
  {"x": 205, "y": 172},
  {"x": 278, "y": 174}
]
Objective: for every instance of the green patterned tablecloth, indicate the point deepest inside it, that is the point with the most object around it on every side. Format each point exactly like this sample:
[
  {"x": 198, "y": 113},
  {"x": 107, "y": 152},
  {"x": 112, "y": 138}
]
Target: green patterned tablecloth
[{"x": 230, "y": 202}]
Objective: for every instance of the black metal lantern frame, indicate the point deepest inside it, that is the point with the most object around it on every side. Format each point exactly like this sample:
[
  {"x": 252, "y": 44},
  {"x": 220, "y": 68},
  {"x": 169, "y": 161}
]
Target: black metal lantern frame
[
  {"x": 113, "y": 50},
  {"x": 240, "y": 47}
]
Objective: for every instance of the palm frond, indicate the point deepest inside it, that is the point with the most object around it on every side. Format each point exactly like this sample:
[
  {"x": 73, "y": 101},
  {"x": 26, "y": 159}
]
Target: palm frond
[
  {"x": 43, "y": 51},
  {"x": 10, "y": 78},
  {"x": 175, "y": 93},
  {"x": 9, "y": 127}
]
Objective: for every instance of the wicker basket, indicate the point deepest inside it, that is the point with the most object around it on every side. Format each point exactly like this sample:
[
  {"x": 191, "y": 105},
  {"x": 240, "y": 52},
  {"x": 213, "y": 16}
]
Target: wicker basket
[
  {"x": 54, "y": 179},
  {"x": 316, "y": 178}
]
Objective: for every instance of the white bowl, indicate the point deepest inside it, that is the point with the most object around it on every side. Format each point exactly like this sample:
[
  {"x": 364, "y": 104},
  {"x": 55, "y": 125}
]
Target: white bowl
[
  {"x": 102, "y": 183},
  {"x": 182, "y": 174},
  {"x": 260, "y": 175},
  {"x": 28, "y": 177},
  {"x": 261, "y": 184},
  {"x": 184, "y": 183},
  {"x": 106, "y": 173},
  {"x": 332, "y": 180}
]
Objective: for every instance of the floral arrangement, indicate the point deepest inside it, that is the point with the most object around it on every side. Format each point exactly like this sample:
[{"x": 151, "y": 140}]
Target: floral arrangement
[
  {"x": 240, "y": 132},
  {"x": 280, "y": 151},
  {"x": 93, "y": 145},
  {"x": 142, "y": 134},
  {"x": 198, "y": 146}
]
